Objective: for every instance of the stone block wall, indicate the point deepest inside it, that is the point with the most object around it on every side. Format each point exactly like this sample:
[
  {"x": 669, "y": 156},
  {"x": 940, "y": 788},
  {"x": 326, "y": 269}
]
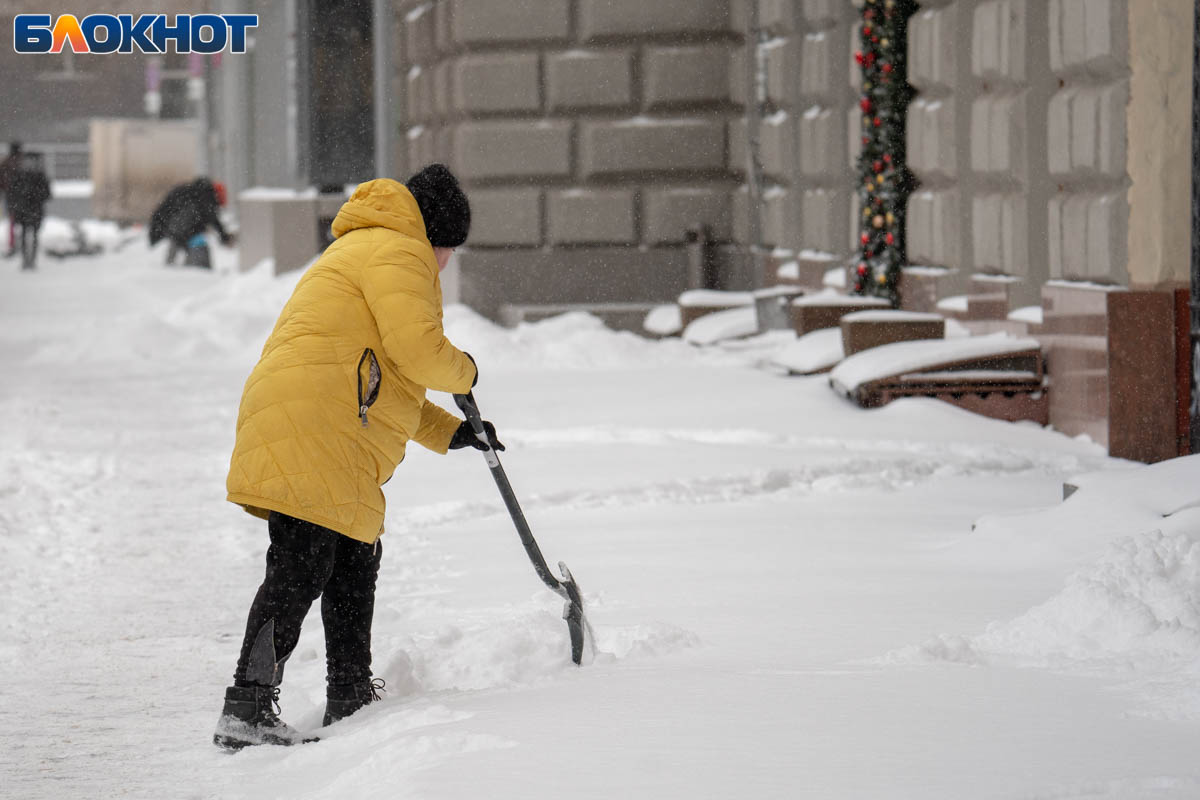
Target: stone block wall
[
  {"x": 808, "y": 170},
  {"x": 590, "y": 135},
  {"x": 1018, "y": 140}
]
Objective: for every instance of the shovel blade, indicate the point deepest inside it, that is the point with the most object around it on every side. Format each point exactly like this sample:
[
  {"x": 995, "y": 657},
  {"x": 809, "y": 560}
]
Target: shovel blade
[{"x": 573, "y": 613}]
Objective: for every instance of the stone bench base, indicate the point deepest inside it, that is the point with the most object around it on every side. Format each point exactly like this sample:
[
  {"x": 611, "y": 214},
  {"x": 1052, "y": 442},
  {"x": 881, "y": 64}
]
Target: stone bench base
[{"x": 863, "y": 330}]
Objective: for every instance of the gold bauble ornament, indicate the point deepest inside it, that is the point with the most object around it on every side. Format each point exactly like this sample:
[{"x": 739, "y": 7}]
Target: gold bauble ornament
[
  {"x": 867, "y": 85},
  {"x": 879, "y": 179},
  {"x": 884, "y": 43},
  {"x": 891, "y": 218},
  {"x": 877, "y": 221},
  {"x": 866, "y": 213},
  {"x": 882, "y": 279}
]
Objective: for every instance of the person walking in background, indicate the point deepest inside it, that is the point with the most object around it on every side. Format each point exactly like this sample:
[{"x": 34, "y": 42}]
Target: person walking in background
[
  {"x": 27, "y": 195},
  {"x": 8, "y": 168},
  {"x": 184, "y": 215},
  {"x": 324, "y": 420}
]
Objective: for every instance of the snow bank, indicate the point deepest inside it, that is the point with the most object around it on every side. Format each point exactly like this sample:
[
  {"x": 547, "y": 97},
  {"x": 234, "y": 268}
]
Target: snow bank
[
  {"x": 576, "y": 340},
  {"x": 1135, "y": 605},
  {"x": 60, "y": 235}
]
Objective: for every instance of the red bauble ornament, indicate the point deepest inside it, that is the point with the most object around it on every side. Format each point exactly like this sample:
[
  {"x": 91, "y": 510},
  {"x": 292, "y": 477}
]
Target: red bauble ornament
[
  {"x": 866, "y": 140},
  {"x": 858, "y": 57},
  {"x": 865, "y": 238},
  {"x": 858, "y": 287},
  {"x": 874, "y": 40},
  {"x": 865, "y": 105},
  {"x": 890, "y": 239},
  {"x": 887, "y": 69},
  {"x": 862, "y": 268},
  {"x": 878, "y": 166},
  {"x": 866, "y": 30},
  {"x": 887, "y": 158},
  {"x": 869, "y": 254},
  {"x": 878, "y": 122}
]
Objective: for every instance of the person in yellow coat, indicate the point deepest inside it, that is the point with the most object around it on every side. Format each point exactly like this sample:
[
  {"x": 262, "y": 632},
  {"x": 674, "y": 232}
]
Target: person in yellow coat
[{"x": 325, "y": 417}]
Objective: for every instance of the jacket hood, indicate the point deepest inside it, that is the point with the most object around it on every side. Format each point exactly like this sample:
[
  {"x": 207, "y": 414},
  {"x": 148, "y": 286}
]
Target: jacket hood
[{"x": 381, "y": 203}]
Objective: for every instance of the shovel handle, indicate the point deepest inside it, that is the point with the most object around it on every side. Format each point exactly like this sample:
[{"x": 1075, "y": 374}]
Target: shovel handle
[{"x": 466, "y": 403}]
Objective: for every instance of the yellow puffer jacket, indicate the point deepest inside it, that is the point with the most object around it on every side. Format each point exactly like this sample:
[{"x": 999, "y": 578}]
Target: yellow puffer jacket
[{"x": 340, "y": 387}]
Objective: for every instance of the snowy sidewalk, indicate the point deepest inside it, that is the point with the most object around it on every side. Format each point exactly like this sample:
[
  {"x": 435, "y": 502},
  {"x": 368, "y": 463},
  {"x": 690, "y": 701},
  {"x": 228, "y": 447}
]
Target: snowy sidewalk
[{"x": 788, "y": 597}]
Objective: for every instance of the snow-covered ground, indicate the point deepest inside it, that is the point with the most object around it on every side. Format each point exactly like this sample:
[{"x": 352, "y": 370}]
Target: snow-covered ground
[{"x": 792, "y": 597}]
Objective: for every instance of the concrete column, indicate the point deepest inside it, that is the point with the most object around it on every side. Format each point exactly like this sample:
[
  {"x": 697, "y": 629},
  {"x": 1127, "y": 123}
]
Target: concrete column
[
  {"x": 383, "y": 46},
  {"x": 1159, "y": 118},
  {"x": 1088, "y": 210}
]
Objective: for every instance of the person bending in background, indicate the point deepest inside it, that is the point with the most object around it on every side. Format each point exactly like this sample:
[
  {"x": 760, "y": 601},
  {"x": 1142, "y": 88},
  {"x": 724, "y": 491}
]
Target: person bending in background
[
  {"x": 324, "y": 420},
  {"x": 184, "y": 215},
  {"x": 27, "y": 195},
  {"x": 8, "y": 168}
]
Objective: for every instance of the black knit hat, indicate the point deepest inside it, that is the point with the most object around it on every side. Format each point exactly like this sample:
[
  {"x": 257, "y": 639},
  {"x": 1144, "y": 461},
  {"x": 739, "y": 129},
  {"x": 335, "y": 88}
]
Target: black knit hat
[{"x": 443, "y": 205}]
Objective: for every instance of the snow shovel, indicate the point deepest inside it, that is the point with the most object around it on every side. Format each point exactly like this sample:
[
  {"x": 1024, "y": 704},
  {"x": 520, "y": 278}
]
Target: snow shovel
[{"x": 565, "y": 588}]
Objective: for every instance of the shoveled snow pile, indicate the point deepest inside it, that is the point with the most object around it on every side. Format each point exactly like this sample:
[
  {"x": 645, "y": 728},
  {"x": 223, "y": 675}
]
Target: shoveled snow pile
[
  {"x": 58, "y": 235},
  {"x": 576, "y": 340},
  {"x": 1134, "y": 607}
]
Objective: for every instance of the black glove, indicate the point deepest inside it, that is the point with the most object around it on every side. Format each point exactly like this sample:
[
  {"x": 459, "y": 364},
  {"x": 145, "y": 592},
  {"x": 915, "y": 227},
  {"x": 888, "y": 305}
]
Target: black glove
[
  {"x": 465, "y": 437},
  {"x": 476, "y": 380}
]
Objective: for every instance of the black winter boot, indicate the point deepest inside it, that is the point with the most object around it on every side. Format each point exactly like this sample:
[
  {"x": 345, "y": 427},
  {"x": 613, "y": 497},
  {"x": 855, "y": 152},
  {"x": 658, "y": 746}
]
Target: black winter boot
[
  {"x": 342, "y": 700},
  {"x": 249, "y": 718}
]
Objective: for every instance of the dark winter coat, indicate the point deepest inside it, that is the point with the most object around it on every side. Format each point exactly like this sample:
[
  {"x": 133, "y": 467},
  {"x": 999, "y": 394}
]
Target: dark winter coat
[
  {"x": 187, "y": 210},
  {"x": 28, "y": 191},
  {"x": 8, "y": 168}
]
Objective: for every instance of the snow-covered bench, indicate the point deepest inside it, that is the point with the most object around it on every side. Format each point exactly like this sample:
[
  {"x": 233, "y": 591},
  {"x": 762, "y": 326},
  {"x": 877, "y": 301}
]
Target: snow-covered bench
[{"x": 999, "y": 376}]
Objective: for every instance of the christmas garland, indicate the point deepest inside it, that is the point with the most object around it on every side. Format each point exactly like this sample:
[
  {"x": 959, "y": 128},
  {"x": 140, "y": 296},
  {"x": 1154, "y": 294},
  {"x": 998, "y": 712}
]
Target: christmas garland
[{"x": 884, "y": 180}]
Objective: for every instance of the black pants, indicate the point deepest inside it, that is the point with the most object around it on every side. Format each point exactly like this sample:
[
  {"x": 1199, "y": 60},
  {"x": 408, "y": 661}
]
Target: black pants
[
  {"x": 304, "y": 562},
  {"x": 29, "y": 244}
]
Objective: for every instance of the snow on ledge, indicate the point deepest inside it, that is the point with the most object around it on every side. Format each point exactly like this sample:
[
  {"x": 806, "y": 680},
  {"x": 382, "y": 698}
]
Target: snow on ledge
[
  {"x": 711, "y": 298},
  {"x": 892, "y": 315},
  {"x": 956, "y": 302},
  {"x": 919, "y": 356},
  {"x": 829, "y": 297},
  {"x": 1030, "y": 314},
  {"x": 834, "y": 278}
]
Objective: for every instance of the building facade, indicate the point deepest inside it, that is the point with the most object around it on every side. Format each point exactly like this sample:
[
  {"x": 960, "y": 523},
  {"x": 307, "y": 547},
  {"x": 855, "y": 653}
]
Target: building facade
[{"x": 599, "y": 139}]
